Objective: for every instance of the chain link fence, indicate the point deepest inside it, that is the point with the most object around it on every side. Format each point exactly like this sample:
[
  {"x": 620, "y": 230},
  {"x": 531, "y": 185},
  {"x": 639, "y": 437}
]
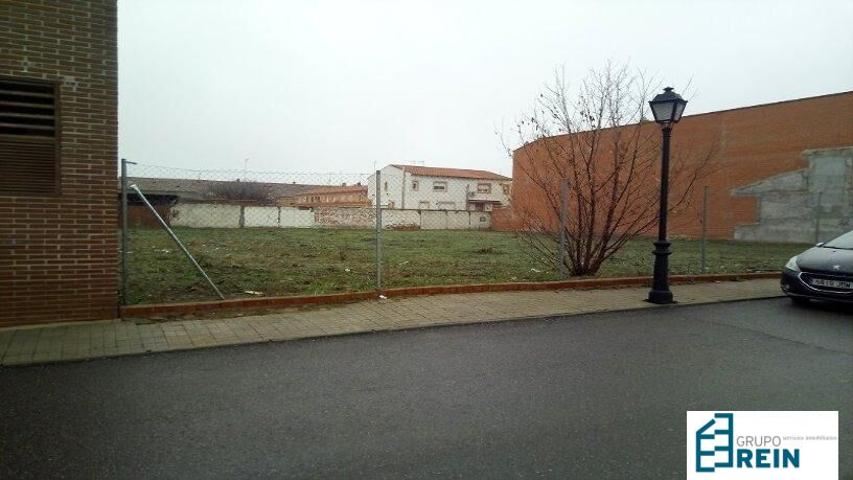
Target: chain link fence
[
  {"x": 252, "y": 233},
  {"x": 245, "y": 234}
]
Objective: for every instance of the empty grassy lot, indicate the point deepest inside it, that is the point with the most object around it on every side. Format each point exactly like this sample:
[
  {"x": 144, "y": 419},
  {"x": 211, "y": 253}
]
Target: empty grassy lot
[{"x": 314, "y": 261}]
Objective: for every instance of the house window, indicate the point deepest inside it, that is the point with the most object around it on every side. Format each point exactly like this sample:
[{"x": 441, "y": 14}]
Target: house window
[
  {"x": 415, "y": 185},
  {"x": 505, "y": 188},
  {"x": 386, "y": 186},
  {"x": 29, "y": 158},
  {"x": 439, "y": 186},
  {"x": 484, "y": 188}
]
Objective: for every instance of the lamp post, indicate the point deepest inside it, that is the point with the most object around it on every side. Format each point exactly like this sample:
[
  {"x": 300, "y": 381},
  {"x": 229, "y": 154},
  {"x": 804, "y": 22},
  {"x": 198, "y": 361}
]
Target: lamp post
[{"x": 667, "y": 108}]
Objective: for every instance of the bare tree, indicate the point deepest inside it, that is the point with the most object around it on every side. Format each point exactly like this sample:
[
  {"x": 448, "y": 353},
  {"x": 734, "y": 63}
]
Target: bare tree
[{"x": 595, "y": 154}]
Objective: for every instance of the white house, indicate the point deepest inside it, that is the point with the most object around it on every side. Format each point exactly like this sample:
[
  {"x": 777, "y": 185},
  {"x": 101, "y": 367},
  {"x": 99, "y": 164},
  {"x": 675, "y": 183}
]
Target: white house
[{"x": 437, "y": 188}]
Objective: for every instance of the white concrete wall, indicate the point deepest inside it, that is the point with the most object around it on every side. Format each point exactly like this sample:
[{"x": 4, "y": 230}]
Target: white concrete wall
[
  {"x": 205, "y": 215},
  {"x": 294, "y": 217},
  {"x": 345, "y": 217},
  {"x": 433, "y": 220},
  {"x": 401, "y": 219},
  {"x": 260, "y": 216},
  {"x": 457, "y": 220},
  {"x": 364, "y": 217},
  {"x": 481, "y": 220},
  {"x": 285, "y": 217},
  {"x": 454, "y": 220}
]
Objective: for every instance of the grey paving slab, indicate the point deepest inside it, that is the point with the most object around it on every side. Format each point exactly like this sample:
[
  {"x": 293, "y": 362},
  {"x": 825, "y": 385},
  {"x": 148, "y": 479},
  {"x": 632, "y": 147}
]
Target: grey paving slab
[{"x": 60, "y": 342}]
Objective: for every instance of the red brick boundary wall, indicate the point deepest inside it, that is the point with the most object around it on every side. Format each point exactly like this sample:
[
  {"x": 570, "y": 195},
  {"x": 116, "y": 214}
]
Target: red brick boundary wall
[
  {"x": 752, "y": 143},
  {"x": 58, "y": 253},
  {"x": 185, "y": 308}
]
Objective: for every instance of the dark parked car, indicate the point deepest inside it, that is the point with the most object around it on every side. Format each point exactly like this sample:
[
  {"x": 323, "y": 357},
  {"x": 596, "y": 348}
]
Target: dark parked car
[{"x": 822, "y": 272}]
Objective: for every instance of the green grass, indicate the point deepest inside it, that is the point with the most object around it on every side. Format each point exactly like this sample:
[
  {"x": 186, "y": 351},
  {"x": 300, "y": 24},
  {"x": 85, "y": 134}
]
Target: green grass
[{"x": 314, "y": 261}]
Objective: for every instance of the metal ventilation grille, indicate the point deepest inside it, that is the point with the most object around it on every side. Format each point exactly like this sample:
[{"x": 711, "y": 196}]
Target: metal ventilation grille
[{"x": 28, "y": 138}]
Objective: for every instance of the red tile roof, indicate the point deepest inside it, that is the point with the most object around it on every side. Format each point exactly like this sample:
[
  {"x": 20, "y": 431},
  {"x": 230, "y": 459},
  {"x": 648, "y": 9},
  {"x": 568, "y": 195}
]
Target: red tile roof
[{"x": 451, "y": 172}]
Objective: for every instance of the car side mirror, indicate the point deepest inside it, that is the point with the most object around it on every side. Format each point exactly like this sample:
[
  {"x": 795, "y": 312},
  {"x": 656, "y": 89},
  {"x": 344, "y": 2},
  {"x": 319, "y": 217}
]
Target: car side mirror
[{"x": 820, "y": 244}]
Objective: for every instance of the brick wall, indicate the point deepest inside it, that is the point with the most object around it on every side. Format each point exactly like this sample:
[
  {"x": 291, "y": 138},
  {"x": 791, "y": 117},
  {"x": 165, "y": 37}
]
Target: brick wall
[
  {"x": 58, "y": 254},
  {"x": 751, "y": 143}
]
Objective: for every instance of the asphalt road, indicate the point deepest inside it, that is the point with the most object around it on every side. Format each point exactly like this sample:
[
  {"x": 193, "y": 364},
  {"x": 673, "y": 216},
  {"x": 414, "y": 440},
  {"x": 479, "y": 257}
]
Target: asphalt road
[{"x": 595, "y": 396}]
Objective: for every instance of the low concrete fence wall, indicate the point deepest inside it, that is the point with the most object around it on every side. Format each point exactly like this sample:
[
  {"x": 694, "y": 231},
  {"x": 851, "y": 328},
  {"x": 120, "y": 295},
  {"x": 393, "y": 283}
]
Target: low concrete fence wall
[
  {"x": 284, "y": 217},
  {"x": 216, "y": 215},
  {"x": 206, "y": 215},
  {"x": 345, "y": 217},
  {"x": 454, "y": 220}
]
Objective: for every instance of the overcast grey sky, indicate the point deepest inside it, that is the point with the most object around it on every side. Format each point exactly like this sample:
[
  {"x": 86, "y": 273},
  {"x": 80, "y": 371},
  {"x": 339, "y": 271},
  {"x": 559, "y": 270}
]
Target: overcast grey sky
[{"x": 343, "y": 85}]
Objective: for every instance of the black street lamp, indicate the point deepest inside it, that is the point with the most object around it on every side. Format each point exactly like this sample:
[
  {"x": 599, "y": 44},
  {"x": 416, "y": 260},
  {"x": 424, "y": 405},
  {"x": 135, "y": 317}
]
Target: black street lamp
[{"x": 667, "y": 108}]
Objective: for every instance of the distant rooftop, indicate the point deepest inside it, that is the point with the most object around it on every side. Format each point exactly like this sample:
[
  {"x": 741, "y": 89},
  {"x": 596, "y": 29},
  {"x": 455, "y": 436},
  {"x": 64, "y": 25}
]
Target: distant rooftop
[
  {"x": 336, "y": 189},
  {"x": 451, "y": 172},
  {"x": 197, "y": 189}
]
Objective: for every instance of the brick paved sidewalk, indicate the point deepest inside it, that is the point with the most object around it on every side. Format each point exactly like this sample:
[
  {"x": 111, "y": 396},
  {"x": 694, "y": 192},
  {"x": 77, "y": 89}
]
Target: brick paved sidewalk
[{"x": 68, "y": 342}]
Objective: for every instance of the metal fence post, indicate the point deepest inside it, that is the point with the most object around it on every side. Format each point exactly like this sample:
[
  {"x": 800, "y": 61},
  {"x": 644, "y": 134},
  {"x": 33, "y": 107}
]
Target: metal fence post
[
  {"x": 704, "y": 243},
  {"x": 123, "y": 293},
  {"x": 378, "y": 230},
  {"x": 817, "y": 213},
  {"x": 561, "y": 255}
]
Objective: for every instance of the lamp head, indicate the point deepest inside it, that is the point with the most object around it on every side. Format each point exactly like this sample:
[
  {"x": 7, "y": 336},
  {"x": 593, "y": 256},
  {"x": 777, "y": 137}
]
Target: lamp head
[{"x": 667, "y": 107}]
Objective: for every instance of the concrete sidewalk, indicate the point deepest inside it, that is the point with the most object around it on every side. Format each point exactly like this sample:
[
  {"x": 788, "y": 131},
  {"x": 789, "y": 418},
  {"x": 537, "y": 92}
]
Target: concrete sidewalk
[{"x": 70, "y": 342}]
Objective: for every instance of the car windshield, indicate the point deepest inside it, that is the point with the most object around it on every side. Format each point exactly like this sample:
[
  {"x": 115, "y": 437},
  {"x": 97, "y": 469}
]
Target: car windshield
[{"x": 845, "y": 241}]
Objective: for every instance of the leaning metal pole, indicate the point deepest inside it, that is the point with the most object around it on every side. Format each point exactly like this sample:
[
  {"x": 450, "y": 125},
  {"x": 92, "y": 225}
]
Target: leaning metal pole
[
  {"x": 660, "y": 292},
  {"x": 177, "y": 241}
]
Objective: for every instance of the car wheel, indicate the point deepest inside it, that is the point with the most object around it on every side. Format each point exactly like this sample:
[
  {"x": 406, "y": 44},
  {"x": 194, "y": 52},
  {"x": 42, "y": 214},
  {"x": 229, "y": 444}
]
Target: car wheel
[{"x": 800, "y": 300}]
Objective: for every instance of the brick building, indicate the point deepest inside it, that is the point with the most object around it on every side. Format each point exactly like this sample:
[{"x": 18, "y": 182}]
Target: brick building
[
  {"x": 333, "y": 196},
  {"x": 753, "y": 147},
  {"x": 58, "y": 148}
]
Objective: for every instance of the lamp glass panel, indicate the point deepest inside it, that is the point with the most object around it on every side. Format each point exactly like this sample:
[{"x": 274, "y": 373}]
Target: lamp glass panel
[
  {"x": 679, "y": 109},
  {"x": 663, "y": 111}
]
